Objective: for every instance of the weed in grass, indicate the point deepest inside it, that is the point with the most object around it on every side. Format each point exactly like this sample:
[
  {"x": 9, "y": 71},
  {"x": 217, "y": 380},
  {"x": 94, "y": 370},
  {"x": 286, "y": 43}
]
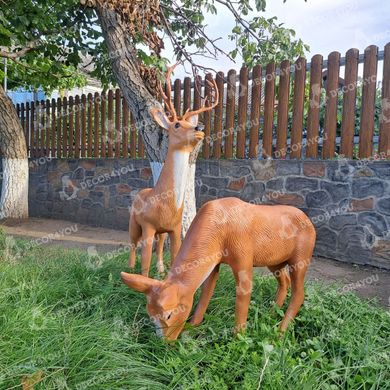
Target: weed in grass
[{"x": 83, "y": 329}]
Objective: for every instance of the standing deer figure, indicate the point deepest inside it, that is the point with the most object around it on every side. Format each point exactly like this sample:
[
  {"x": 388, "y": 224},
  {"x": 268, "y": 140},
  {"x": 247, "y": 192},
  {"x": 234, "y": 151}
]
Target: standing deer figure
[
  {"x": 243, "y": 236},
  {"x": 158, "y": 210}
]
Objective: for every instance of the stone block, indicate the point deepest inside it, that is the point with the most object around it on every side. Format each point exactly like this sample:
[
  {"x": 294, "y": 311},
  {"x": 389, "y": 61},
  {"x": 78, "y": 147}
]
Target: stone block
[
  {"x": 318, "y": 199},
  {"x": 314, "y": 169},
  {"x": 338, "y": 222},
  {"x": 288, "y": 167},
  {"x": 237, "y": 184},
  {"x": 284, "y": 198},
  {"x": 365, "y": 187},
  {"x": 357, "y": 205},
  {"x": 374, "y": 221},
  {"x": 297, "y": 183},
  {"x": 337, "y": 191},
  {"x": 384, "y": 205},
  {"x": 264, "y": 170}
]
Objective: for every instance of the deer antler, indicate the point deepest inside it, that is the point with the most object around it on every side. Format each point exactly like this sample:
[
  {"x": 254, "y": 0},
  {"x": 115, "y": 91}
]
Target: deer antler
[
  {"x": 167, "y": 96},
  {"x": 213, "y": 85}
]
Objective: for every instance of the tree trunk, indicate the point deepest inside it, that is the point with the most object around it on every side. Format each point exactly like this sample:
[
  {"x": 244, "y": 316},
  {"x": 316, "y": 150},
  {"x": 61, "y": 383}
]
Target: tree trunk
[
  {"x": 14, "y": 193},
  {"x": 126, "y": 70}
]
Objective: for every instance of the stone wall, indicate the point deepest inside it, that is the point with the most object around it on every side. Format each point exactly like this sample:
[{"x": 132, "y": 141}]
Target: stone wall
[{"x": 347, "y": 201}]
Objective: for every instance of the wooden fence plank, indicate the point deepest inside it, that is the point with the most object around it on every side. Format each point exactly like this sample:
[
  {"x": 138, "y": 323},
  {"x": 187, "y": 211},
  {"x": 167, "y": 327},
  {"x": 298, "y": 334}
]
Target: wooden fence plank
[
  {"x": 218, "y": 116},
  {"x": 59, "y": 128},
  {"x": 77, "y": 127},
  {"x": 207, "y": 119},
  {"x": 32, "y": 129},
  {"x": 298, "y": 104},
  {"x": 349, "y": 103},
  {"x": 187, "y": 94},
  {"x": 198, "y": 95},
  {"x": 133, "y": 138},
  {"x": 269, "y": 105},
  {"x": 71, "y": 126},
  {"x": 110, "y": 117},
  {"x": 313, "y": 119},
  {"x": 242, "y": 112},
  {"x": 118, "y": 128},
  {"x": 177, "y": 96},
  {"x": 23, "y": 120},
  {"x": 367, "y": 116},
  {"x": 96, "y": 122},
  {"x": 255, "y": 112},
  {"x": 141, "y": 147},
  {"x": 47, "y": 128},
  {"x": 42, "y": 128},
  {"x": 90, "y": 125},
  {"x": 83, "y": 115},
  {"x": 125, "y": 128},
  {"x": 36, "y": 129},
  {"x": 330, "y": 122},
  {"x": 53, "y": 128},
  {"x": 384, "y": 126},
  {"x": 103, "y": 130},
  {"x": 230, "y": 111},
  {"x": 28, "y": 128},
  {"x": 283, "y": 102},
  {"x": 65, "y": 127}
]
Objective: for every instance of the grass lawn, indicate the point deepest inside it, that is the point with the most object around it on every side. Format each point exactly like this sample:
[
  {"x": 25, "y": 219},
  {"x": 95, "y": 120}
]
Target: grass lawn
[{"x": 73, "y": 323}]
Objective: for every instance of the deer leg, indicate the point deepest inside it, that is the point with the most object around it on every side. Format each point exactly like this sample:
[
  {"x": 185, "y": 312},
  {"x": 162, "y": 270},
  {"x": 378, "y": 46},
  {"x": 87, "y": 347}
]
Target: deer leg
[
  {"x": 297, "y": 273},
  {"x": 160, "y": 251},
  {"x": 281, "y": 274},
  {"x": 244, "y": 283},
  {"x": 135, "y": 233},
  {"x": 147, "y": 248},
  {"x": 207, "y": 292},
  {"x": 175, "y": 237}
]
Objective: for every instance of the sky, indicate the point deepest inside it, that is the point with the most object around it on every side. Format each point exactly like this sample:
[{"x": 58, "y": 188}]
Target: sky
[{"x": 325, "y": 25}]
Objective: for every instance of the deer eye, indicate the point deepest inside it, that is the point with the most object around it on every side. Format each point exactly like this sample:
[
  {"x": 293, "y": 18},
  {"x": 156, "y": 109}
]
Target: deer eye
[
  {"x": 177, "y": 125},
  {"x": 197, "y": 128},
  {"x": 169, "y": 316}
]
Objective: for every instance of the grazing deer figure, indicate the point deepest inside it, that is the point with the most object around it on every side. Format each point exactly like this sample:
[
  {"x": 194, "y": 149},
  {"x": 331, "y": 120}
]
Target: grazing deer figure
[
  {"x": 158, "y": 210},
  {"x": 243, "y": 236}
]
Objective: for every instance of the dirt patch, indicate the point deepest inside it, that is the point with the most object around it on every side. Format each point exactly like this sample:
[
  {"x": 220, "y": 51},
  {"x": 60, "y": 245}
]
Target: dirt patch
[{"x": 365, "y": 281}]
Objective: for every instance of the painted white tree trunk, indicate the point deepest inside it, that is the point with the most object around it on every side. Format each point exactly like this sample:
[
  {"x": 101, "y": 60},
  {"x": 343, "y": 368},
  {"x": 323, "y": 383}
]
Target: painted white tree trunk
[
  {"x": 14, "y": 194},
  {"x": 189, "y": 210}
]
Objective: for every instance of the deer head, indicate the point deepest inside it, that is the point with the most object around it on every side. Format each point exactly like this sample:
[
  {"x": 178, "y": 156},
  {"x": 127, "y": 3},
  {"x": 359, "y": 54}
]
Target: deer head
[
  {"x": 167, "y": 304},
  {"x": 184, "y": 132}
]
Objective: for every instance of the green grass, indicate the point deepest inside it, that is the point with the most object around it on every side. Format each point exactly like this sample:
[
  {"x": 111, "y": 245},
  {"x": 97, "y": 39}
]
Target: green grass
[{"x": 75, "y": 321}]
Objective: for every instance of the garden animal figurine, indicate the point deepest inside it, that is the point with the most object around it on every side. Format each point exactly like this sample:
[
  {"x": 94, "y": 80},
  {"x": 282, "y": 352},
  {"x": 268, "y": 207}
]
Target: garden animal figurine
[
  {"x": 239, "y": 234},
  {"x": 158, "y": 210}
]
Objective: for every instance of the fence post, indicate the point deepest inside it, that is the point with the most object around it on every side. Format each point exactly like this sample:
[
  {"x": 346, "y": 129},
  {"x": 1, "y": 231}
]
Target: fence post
[
  {"x": 242, "y": 112},
  {"x": 218, "y": 115},
  {"x": 384, "y": 130},
  {"x": 230, "y": 109},
  {"x": 283, "y": 103},
  {"x": 269, "y": 105},
  {"x": 330, "y": 124},
  {"x": 255, "y": 112},
  {"x": 349, "y": 103}
]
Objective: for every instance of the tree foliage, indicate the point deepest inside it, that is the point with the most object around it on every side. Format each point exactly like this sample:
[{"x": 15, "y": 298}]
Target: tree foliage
[{"x": 47, "y": 41}]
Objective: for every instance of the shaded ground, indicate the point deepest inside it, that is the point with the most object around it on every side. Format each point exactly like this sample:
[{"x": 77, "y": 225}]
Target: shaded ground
[{"x": 367, "y": 282}]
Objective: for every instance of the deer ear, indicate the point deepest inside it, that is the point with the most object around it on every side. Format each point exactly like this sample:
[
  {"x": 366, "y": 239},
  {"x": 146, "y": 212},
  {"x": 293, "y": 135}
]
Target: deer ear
[
  {"x": 193, "y": 119},
  {"x": 160, "y": 117},
  {"x": 139, "y": 283}
]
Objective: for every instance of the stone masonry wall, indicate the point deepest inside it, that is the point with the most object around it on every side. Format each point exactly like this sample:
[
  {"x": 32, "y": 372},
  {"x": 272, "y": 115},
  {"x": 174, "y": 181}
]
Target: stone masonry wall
[{"x": 347, "y": 201}]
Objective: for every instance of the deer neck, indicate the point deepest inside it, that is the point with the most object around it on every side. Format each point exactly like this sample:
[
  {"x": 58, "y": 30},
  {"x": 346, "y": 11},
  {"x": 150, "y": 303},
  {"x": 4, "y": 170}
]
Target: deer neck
[
  {"x": 191, "y": 268},
  {"x": 173, "y": 177}
]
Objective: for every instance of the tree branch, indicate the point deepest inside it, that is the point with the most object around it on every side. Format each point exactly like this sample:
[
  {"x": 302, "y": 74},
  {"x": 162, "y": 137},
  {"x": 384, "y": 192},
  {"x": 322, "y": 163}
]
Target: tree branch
[{"x": 20, "y": 53}]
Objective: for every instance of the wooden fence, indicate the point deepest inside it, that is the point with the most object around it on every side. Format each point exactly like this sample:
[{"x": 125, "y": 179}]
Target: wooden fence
[{"x": 294, "y": 110}]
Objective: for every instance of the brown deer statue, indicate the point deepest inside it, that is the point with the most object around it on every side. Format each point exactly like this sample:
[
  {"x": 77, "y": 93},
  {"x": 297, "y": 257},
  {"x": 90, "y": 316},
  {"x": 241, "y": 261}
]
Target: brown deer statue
[
  {"x": 157, "y": 211},
  {"x": 239, "y": 234}
]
